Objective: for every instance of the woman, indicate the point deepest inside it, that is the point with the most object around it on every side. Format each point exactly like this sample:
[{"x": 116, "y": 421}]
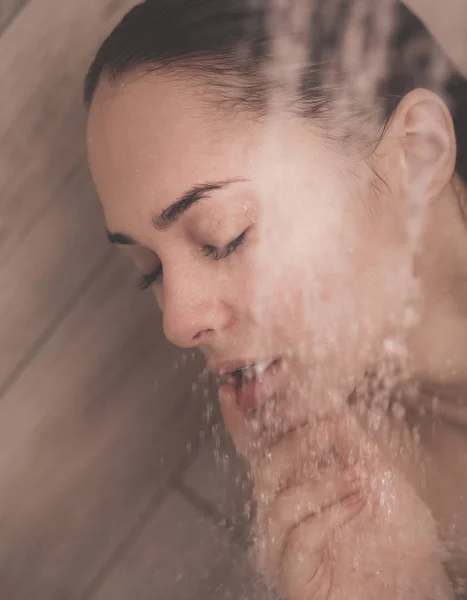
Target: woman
[{"x": 310, "y": 240}]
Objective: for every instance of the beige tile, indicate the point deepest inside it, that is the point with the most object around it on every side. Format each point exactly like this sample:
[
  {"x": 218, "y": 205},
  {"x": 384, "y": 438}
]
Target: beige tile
[
  {"x": 219, "y": 477},
  {"x": 44, "y": 54},
  {"x": 53, "y": 260},
  {"x": 8, "y": 10},
  {"x": 179, "y": 556},
  {"x": 86, "y": 439}
]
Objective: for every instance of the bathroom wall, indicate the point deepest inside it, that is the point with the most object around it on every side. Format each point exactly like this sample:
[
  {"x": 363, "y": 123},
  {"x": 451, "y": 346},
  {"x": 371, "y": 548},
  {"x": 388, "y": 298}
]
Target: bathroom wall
[{"x": 94, "y": 415}]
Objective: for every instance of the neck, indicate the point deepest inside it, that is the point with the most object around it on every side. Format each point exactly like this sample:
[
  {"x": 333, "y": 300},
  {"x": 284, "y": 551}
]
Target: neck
[{"x": 438, "y": 344}]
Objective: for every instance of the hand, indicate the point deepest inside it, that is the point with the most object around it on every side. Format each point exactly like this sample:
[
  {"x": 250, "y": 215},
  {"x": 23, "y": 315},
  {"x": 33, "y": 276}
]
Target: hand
[
  {"x": 303, "y": 496},
  {"x": 310, "y": 542}
]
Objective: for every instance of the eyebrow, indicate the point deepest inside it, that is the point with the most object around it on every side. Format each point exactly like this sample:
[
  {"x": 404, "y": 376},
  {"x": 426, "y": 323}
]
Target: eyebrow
[{"x": 171, "y": 214}]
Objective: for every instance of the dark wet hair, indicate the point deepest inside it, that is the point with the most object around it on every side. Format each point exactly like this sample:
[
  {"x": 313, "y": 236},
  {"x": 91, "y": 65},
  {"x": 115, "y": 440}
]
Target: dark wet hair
[{"x": 230, "y": 41}]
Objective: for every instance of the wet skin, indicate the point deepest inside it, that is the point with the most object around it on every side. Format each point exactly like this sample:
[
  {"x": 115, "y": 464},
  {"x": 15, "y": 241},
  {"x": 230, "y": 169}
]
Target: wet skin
[{"x": 261, "y": 240}]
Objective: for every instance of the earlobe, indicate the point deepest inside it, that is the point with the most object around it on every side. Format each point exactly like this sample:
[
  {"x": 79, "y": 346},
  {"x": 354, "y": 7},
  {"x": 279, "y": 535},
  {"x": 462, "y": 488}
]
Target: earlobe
[{"x": 428, "y": 140}]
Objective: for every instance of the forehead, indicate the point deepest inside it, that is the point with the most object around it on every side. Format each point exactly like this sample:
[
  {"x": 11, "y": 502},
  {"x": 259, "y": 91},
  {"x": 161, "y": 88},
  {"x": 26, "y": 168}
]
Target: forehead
[
  {"x": 156, "y": 136},
  {"x": 137, "y": 106}
]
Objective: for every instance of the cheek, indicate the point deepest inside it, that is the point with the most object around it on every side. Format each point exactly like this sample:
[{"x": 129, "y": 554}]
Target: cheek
[
  {"x": 310, "y": 294},
  {"x": 313, "y": 270}
]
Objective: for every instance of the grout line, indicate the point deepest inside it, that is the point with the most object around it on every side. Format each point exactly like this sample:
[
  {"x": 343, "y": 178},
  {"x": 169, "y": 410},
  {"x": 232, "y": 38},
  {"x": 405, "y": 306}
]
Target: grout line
[
  {"x": 125, "y": 544},
  {"x": 236, "y": 532},
  {"x": 44, "y": 337},
  {"x": 130, "y": 538},
  {"x": 203, "y": 436},
  {"x": 240, "y": 544},
  {"x": 197, "y": 501},
  {"x": 135, "y": 531},
  {"x": 209, "y": 511},
  {"x": 174, "y": 484},
  {"x": 56, "y": 198},
  {"x": 16, "y": 12}
]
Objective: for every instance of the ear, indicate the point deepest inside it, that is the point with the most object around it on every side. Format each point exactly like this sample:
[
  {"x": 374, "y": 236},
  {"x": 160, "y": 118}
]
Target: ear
[{"x": 423, "y": 126}]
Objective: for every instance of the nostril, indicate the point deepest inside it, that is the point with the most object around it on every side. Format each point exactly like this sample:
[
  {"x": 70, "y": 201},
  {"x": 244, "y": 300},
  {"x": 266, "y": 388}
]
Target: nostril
[{"x": 201, "y": 334}]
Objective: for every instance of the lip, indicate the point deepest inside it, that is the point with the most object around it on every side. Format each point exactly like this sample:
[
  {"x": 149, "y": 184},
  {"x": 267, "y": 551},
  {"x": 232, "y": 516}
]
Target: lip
[
  {"x": 224, "y": 368},
  {"x": 254, "y": 393}
]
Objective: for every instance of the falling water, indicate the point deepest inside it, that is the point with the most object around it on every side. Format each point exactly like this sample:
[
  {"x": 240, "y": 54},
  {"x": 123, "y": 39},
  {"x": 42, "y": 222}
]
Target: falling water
[{"x": 356, "y": 70}]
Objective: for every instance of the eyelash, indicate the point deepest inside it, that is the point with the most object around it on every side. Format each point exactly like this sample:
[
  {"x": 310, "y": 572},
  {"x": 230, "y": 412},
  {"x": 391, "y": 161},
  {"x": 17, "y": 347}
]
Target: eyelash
[
  {"x": 148, "y": 280},
  {"x": 221, "y": 253},
  {"x": 208, "y": 251}
]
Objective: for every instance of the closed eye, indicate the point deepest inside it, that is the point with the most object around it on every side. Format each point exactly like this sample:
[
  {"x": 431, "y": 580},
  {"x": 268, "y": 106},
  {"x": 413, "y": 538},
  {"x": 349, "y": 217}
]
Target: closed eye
[
  {"x": 208, "y": 251},
  {"x": 151, "y": 278},
  {"x": 221, "y": 253}
]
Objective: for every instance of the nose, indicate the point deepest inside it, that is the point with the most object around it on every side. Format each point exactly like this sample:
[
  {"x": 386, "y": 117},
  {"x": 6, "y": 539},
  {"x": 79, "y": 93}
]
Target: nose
[{"x": 193, "y": 309}]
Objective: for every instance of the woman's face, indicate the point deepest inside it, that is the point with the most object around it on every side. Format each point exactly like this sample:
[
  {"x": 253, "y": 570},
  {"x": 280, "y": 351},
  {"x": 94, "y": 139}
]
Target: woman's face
[{"x": 273, "y": 244}]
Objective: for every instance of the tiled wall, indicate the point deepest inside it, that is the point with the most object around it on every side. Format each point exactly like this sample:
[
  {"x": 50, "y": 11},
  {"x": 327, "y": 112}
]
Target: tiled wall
[{"x": 96, "y": 501}]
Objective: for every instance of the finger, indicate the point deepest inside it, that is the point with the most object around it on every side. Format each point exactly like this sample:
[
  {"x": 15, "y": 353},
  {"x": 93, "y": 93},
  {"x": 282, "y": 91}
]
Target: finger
[
  {"x": 310, "y": 579},
  {"x": 305, "y": 570},
  {"x": 298, "y": 504}
]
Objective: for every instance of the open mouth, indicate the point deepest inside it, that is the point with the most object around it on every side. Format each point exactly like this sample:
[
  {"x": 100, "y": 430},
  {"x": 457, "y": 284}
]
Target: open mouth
[
  {"x": 254, "y": 384},
  {"x": 246, "y": 375}
]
